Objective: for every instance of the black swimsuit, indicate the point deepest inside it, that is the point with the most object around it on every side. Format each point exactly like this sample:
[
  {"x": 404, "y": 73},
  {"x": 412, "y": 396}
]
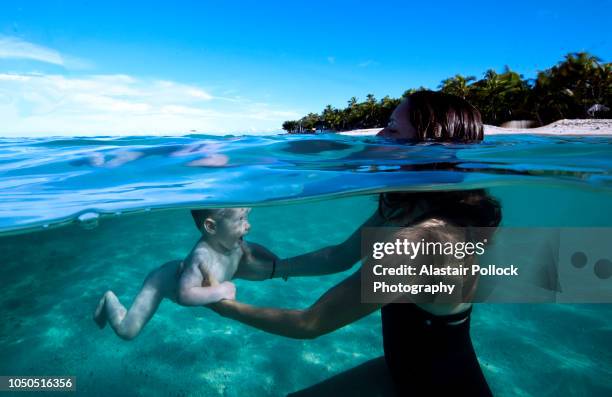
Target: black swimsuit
[{"x": 431, "y": 355}]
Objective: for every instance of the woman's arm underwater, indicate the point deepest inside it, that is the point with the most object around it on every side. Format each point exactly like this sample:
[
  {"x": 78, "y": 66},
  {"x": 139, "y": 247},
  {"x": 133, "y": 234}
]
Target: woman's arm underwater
[
  {"x": 262, "y": 264},
  {"x": 328, "y": 260},
  {"x": 338, "y": 307}
]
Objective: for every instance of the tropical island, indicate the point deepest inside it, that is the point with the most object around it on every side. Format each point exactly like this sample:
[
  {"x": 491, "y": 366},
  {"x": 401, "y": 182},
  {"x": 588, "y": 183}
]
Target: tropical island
[{"x": 578, "y": 87}]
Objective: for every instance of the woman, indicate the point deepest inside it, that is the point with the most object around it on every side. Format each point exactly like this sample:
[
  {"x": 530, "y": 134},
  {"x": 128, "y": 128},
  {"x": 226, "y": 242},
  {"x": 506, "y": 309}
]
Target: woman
[{"x": 427, "y": 347}]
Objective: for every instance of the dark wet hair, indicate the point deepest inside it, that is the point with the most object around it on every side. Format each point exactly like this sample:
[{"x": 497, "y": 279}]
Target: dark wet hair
[
  {"x": 462, "y": 207},
  {"x": 443, "y": 117},
  {"x": 200, "y": 215}
]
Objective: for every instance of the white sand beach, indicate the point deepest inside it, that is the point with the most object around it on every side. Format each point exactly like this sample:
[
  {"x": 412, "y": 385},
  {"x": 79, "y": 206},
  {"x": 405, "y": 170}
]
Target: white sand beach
[{"x": 560, "y": 127}]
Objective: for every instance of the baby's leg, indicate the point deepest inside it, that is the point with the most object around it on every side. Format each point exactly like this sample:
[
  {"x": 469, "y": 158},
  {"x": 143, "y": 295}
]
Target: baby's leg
[
  {"x": 128, "y": 324},
  {"x": 109, "y": 307}
]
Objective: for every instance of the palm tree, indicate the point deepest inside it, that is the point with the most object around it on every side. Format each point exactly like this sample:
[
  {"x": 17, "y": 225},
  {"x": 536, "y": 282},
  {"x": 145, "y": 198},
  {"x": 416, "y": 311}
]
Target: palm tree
[
  {"x": 566, "y": 90},
  {"x": 457, "y": 85},
  {"x": 385, "y": 108},
  {"x": 290, "y": 126},
  {"x": 329, "y": 118},
  {"x": 310, "y": 123},
  {"x": 484, "y": 95},
  {"x": 512, "y": 97},
  {"x": 570, "y": 88},
  {"x": 411, "y": 91},
  {"x": 369, "y": 111}
]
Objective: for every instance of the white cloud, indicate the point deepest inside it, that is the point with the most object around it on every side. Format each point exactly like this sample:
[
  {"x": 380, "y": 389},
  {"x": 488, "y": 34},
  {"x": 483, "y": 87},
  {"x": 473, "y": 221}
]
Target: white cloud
[
  {"x": 52, "y": 104},
  {"x": 12, "y": 47},
  {"x": 16, "y": 48},
  {"x": 36, "y": 104}
]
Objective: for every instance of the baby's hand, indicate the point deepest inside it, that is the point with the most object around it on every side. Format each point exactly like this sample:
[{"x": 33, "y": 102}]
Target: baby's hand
[{"x": 228, "y": 290}]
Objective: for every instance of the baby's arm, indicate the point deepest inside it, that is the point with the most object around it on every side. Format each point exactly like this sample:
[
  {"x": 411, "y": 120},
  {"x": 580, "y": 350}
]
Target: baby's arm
[{"x": 192, "y": 290}]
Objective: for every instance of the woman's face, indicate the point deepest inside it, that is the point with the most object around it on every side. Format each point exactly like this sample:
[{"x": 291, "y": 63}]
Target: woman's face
[{"x": 399, "y": 126}]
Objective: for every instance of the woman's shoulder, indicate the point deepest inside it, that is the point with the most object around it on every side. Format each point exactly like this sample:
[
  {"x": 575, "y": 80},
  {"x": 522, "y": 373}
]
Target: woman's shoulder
[
  {"x": 432, "y": 223},
  {"x": 437, "y": 229}
]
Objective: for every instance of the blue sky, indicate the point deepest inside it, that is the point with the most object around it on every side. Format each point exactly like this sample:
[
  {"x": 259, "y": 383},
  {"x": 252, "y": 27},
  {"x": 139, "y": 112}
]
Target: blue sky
[{"x": 83, "y": 68}]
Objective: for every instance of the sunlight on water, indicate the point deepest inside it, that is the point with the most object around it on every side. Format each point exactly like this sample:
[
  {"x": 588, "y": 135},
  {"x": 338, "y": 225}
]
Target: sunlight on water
[{"x": 50, "y": 181}]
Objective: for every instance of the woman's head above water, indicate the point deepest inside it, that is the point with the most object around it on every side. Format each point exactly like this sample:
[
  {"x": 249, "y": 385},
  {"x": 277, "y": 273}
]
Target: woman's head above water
[
  {"x": 434, "y": 116},
  {"x": 427, "y": 116}
]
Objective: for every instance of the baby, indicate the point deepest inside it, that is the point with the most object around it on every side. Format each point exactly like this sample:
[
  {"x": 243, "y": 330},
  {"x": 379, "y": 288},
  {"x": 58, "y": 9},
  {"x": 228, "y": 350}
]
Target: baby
[{"x": 202, "y": 278}]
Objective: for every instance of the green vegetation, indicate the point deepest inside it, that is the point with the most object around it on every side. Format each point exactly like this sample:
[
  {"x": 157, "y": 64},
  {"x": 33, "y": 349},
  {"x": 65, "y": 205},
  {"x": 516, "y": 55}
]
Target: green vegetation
[{"x": 580, "y": 86}]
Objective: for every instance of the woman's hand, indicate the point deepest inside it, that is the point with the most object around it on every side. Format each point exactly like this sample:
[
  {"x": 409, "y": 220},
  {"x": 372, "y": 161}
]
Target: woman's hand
[
  {"x": 227, "y": 290},
  {"x": 257, "y": 262}
]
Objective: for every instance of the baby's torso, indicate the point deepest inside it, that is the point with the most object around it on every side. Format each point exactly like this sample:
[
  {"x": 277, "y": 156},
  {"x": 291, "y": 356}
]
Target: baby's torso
[
  {"x": 206, "y": 263},
  {"x": 222, "y": 267}
]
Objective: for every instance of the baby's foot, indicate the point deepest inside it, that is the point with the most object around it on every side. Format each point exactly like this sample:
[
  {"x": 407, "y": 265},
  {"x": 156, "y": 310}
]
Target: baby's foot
[{"x": 100, "y": 314}]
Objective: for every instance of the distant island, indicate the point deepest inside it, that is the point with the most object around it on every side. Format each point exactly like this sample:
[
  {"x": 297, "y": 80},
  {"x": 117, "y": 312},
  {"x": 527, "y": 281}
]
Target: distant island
[{"x": 578, "y": 87}]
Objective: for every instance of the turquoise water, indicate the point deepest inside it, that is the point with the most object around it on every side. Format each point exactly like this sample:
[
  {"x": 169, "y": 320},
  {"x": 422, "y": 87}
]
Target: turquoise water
[{"x": 132, "y": 195}]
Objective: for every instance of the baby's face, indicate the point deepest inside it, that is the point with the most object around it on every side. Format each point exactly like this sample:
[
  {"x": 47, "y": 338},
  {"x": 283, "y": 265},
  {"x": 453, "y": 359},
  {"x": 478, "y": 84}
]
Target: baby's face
[{"x": 233, "y": 227}]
